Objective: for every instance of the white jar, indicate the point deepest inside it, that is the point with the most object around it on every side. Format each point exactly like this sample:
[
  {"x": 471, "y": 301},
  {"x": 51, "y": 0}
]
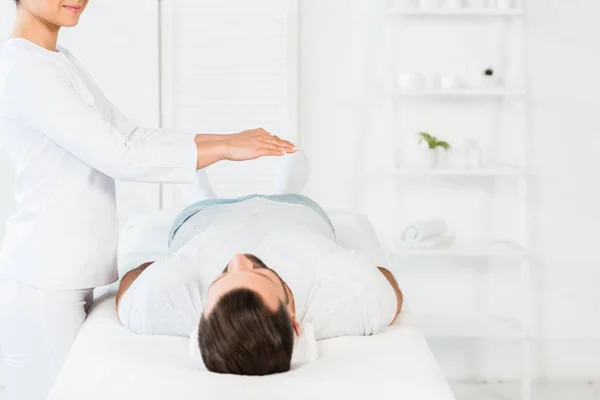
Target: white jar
[
  {"x": 490, "y": 81},
  {"x": 410, "y": 81},
  {"x": 436, "y": 81},
  {"x": 428, "y": 4},
  {"x": 455, "y": 4},
  {"x": 450, "y": 82},
  {"x": 473, "y": 156}
]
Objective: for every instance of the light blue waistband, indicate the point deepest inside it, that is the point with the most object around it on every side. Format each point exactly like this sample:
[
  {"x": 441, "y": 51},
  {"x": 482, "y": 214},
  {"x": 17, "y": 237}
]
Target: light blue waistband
[{"x": 195, "y": 208}]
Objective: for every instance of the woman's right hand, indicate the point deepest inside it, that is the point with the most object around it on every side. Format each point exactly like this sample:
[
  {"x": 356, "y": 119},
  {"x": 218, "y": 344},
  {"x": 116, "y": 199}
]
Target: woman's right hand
[
  {"x": 243, "y": 146},
  {"x": 255, "y": 143}
]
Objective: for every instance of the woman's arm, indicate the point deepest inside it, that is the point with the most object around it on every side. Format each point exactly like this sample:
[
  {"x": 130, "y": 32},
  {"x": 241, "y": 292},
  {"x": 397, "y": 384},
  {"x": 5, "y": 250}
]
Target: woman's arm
[{"x": 41, "y": 95}]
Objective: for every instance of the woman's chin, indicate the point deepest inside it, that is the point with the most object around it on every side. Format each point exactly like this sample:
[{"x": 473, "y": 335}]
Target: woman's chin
[
  {"x": 69, "y": 19},
  {"x": 70, "y": 22}
]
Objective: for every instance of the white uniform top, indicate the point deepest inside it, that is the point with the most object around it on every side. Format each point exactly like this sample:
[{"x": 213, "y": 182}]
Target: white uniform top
[
  {"x": 339, "y": 291},
  {"x": 67, "y": 144}
]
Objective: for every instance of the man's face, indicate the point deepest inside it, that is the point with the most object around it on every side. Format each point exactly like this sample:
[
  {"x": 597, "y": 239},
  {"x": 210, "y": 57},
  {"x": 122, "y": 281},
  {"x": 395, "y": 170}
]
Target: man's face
[{"x": 246, "y": 271}]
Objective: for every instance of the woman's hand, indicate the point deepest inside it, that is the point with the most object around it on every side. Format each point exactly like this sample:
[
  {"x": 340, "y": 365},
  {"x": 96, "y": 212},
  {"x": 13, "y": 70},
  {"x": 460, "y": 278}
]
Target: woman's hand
[
  {"x": 243, "y": 146},
  {"x": 255, "y": 143}
]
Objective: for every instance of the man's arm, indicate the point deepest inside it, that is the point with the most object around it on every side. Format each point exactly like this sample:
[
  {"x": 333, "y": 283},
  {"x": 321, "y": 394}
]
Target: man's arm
[
  {"x": 128, "y": 280},
  {"x": 399, "y": 296}
]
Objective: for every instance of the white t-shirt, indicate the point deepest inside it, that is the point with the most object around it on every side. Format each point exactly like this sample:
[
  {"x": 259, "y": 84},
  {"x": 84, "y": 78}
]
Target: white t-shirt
[{"x": 341, "y": 292}]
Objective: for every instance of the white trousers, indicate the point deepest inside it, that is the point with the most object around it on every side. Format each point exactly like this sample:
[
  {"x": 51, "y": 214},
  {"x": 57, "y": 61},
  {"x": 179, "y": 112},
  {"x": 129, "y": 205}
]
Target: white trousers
[{"x": 37, "y": 329}]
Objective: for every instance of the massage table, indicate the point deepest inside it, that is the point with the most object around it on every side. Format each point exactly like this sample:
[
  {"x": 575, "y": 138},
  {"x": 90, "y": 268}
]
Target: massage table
[{"x": 108, "y": 362}]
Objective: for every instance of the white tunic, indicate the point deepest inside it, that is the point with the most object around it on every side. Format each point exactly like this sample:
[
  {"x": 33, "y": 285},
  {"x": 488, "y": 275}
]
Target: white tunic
[{"x": 68, "y": 144}]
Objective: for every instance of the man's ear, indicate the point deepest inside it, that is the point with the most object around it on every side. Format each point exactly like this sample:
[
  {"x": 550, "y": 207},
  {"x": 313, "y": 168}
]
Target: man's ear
[{"x": 296, "y": 325}]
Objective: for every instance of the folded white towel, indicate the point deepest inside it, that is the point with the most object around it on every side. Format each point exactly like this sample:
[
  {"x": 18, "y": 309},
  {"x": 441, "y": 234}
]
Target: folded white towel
[
  {"x": 423, "y": 231},
  {"x": 432, "y": 243},
  {"x": 305, "y": 346}
]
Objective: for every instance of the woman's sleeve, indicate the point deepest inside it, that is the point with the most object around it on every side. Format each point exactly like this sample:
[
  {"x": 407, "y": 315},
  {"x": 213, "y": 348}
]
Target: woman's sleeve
[
  {"x": 135, "y": 133},
  {"x": 43, "y": 97}
]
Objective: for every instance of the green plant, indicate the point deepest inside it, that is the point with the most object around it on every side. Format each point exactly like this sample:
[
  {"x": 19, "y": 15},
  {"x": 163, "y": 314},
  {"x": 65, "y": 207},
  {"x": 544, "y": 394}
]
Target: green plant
[
  {"x": 489, "y": 71},
  {"x": 433, "y": 142}
]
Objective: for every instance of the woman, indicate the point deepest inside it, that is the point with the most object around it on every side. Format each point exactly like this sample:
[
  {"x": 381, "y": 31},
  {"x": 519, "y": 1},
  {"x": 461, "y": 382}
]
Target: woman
[{"x": 68, "y": 144}]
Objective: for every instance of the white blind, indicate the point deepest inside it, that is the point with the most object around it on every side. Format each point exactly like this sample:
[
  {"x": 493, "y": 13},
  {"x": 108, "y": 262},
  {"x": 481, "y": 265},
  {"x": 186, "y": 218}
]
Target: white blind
[{"x": 229, "y": 66}]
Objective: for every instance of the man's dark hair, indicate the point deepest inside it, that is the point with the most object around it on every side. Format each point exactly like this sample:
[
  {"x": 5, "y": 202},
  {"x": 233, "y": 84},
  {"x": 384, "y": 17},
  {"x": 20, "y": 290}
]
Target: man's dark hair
[{"x": 242, "y": 336}]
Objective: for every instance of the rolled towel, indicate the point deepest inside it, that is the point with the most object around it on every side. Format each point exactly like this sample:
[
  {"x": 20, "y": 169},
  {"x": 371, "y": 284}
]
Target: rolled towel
[
  {"x": 305, "y": 346},
  {"x": 423, "y": 231}
]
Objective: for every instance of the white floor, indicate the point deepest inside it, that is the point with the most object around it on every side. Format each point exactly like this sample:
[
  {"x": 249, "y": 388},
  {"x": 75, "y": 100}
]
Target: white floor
[{"x": 548, "y": 391}]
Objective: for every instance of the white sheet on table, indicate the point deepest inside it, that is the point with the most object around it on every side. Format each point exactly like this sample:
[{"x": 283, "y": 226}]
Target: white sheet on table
[{"x": 107, "y": 362}]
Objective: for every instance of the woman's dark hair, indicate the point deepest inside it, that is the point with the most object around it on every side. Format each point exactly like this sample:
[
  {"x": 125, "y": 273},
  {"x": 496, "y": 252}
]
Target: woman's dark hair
[{"x": 242, "y": 336}]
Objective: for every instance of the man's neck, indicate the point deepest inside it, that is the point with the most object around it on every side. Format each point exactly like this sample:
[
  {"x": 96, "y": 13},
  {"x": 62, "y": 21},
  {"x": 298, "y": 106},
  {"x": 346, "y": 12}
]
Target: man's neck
[{"x": 37, "y": 31}]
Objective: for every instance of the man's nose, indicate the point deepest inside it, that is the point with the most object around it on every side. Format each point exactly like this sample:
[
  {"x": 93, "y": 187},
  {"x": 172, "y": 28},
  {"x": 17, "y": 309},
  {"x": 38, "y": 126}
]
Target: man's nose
[{"x": 240, "y": 262}]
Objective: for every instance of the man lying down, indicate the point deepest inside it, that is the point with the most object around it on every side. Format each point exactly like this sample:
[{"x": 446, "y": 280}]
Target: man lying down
[{"x": 250, "y": 271}]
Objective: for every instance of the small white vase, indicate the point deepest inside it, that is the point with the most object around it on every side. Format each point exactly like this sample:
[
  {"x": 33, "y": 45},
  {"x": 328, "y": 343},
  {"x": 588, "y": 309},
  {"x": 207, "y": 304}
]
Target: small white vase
[
  {"x": 455, "y": 4},
  {"x": 428, "y": 4},
  {"x": 430, "y": 158},
  {"x": 504, "y": 4},
  {"x": 445, "y": 158},
  {"x": 450, "y": 82},
  {"x": 473, "y": 156},
  {"x": 490, "y": 82},
  {"x": 435, "y": 81},
  {"x": 411, "y": 81}
]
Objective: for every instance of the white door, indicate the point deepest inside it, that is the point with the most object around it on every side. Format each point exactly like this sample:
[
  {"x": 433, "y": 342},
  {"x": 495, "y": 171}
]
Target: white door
[{"x": 230, "y": 66}]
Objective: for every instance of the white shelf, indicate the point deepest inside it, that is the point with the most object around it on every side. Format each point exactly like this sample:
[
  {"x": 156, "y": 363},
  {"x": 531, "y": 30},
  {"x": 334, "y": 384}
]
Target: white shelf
[
  {"x": 503, "y": 170},
  {"x": 459, "y": 326},
  {"x": 466, "y": 249},
  {"x": 466, "y": 92},
  {"x": 464, "y": 12}
]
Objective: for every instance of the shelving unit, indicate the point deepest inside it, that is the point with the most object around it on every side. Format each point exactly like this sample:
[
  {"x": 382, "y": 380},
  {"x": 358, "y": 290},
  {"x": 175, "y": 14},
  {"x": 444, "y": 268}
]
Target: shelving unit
[
  {"x": 495, "y": 171},
  {"x": 465, "y": 12},
  {"x": 511, "y": 253},
  {"x": 459, "y": 326},
  {"x": 471, "y": 248},
  {"x": 497, "y": 92}
]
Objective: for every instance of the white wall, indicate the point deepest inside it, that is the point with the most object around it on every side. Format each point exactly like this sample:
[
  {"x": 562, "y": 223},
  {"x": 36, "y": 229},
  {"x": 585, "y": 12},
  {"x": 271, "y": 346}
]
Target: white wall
[{"x": 563, "y": 65}]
